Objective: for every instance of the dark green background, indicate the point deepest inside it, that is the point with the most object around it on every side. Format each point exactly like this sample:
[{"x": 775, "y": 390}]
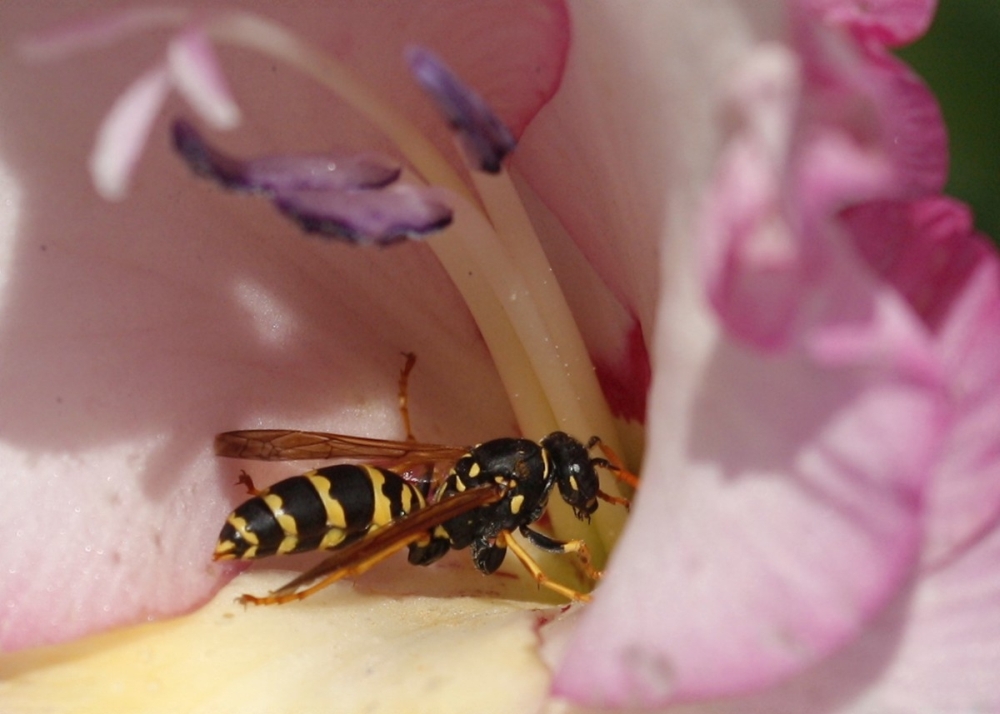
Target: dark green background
[{"x": 960, "y": 59}]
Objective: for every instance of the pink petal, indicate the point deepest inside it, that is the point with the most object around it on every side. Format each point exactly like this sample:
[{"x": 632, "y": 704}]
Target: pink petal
[
  {"x": 136, "y": 340},
  {"x": 96, "y": 547},
  {"x": 912, "y": 137},
  {"x": 930, "y": 253},
  {"x": 780, "y": 504},
  {"x": 133, "y": 333},
  {"x": 195, "y": 72},
  {"x": 780, "y": 515},
  {"x": 935, "y": 648}
]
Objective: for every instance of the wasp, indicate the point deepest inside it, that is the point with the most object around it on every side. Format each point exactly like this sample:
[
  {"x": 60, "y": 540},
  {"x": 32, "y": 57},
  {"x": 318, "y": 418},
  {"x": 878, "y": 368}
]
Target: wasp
[{"x": 363, "y": 513}]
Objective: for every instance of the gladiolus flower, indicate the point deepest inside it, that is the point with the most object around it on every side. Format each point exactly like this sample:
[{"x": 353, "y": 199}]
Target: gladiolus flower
[{"x": 742, "y": 206}]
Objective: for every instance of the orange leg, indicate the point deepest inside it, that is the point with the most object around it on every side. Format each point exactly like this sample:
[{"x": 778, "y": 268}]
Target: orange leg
[
  {"x": 614, "y": 500},
  {"x": 505, "y": 540},
  {"x": 245, "y": 480},
  {"x": 584, "y": 558},
  {"x": 551, "y": 545},
  {"x": 404, "y": 399},
  {"x": 613, "y": 463}
]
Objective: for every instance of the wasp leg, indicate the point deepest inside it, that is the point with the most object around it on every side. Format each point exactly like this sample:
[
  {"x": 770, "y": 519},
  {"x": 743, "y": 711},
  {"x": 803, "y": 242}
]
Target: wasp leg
[
  {"x": 247, "y": 482},
  {"x": 613, "y": 463},
  {"x": 614, "y": 500},
  {"x": 551, "y": 545},
  {"x": 404, "y": 399},
  {"x": 620, "y": 474},
  {"x": 280, "y": 596},
  {"x": 504, "y": 539},
  {"x": 427, "y": 471}
]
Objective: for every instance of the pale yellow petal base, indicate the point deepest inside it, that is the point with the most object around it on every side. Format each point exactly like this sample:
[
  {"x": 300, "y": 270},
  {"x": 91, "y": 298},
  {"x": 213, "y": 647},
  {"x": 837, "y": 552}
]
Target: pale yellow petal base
[{"x": 339, "y": 651}]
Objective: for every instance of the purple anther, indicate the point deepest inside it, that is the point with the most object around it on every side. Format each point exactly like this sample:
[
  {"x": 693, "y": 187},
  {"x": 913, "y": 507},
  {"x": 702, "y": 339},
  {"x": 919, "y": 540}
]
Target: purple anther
[
  {"x": 205, "y": 160},
  {"x": 378, "y": 218},
  {"x": 350, "y": 197},
  {"x": 484, "y": 138},
  {"x": 338, "y": 171}
]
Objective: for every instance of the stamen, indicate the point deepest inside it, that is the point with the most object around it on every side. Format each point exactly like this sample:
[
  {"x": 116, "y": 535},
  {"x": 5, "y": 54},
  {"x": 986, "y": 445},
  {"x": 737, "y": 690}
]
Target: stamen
[
  {"x": 483, "y": 136},
  {"x": 540, "y": 306},
  {"x": 568, "y": 374},
  {"x": 534, "y": 301},
  {"x": 511, "y": 352}
]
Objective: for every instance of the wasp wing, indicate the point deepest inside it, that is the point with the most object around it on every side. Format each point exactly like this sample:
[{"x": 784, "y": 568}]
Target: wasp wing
[
  {"x": 361, "y": 555},
  {"x": 290, "y": 445}
]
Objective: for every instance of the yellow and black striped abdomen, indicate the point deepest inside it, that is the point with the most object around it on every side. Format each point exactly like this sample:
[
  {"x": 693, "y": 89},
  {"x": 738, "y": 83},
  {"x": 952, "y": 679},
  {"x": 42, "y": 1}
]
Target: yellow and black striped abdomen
[{"x": 319, "y": 510}]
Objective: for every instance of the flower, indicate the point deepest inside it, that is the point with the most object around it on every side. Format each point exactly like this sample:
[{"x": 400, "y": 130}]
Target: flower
[
  {"x": 817, "y": 485},
  {"x": 850, "y": 526}
]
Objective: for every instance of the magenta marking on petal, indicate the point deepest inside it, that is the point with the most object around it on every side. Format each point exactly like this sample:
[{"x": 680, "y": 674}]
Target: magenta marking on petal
[
  {"x": 484, "y": 137},
  {"x": 963, "y": 506},
  {"x": 888, "y": 22},
  {"x": 626, "y": 383},
  {"x": 927, "y": 249}
]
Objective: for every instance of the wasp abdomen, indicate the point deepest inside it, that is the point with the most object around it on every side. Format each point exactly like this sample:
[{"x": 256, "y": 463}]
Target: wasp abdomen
[{"x": 322, "y": 509}]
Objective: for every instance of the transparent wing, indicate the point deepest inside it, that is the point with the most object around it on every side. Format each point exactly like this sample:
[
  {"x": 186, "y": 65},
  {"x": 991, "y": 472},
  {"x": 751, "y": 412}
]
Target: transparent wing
[
  {"x": 290, "y": 445},
  {"x": 378, "y": 545}
]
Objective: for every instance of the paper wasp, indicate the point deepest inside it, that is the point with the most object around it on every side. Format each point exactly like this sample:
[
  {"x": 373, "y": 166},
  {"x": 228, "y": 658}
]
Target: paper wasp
[{"x": 365, "y": 513}]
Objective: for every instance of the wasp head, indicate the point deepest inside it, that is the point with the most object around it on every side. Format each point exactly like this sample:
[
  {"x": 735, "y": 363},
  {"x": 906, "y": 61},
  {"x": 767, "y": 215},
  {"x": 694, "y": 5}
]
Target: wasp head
[{"x": 573, "y": 472}]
